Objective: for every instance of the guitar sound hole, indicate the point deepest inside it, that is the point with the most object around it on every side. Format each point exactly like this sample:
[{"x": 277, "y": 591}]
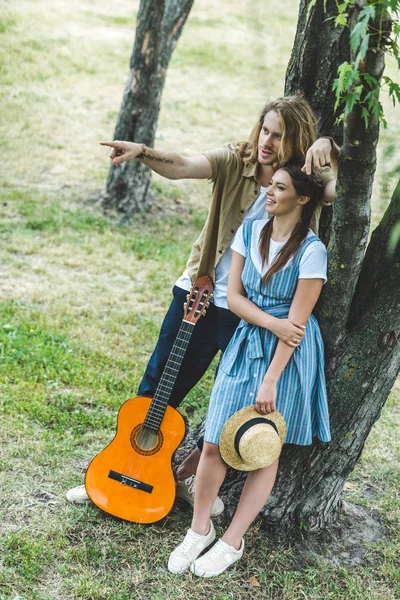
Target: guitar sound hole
[{"x": 146, "y": 442}]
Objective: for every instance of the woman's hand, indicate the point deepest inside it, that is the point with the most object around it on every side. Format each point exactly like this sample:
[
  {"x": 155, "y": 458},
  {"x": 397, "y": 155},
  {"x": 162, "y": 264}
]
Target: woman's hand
[
  {"x": 266, "y": 397},
  {"x": 288, "y": 331},
  {"x": 123, "y": 151}
]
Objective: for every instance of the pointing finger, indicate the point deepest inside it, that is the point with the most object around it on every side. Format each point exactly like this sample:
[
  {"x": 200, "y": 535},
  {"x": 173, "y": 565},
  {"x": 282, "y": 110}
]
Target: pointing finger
[{"x": 110, "y": 144}]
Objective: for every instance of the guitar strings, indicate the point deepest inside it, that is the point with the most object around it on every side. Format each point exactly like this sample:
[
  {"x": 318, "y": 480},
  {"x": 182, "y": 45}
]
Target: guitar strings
[{"x": 155, "y": 414}]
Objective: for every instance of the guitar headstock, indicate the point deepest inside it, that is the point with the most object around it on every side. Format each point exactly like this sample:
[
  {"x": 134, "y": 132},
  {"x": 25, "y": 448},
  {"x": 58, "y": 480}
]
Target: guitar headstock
[{"x": 198, "y": 300}]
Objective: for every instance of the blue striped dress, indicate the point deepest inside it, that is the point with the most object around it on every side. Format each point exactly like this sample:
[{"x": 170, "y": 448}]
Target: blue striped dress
[{"x": 301, "y": 390}]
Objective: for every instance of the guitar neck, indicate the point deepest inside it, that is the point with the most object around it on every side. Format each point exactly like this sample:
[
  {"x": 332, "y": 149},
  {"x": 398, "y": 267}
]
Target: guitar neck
[{"x": 164, "y": 389}]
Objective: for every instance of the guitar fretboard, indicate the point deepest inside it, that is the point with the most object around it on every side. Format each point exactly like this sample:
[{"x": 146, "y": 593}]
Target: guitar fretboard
[{"x": 159, "y": 403}]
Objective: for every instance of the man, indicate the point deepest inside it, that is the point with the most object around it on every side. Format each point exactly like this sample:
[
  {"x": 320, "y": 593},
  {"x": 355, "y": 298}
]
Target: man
[{"x": 240, "y": 174}]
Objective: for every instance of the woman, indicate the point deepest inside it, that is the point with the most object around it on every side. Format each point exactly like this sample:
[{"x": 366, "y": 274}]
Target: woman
[{"x": 277, "y": 273}]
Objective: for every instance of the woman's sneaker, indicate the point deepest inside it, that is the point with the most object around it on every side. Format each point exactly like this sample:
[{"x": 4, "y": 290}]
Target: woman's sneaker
[
  {"x": 77, "y": 495},
  {"x": 185, "y": 491},
  {"x": 217, "y": 560},
  {"x": 191, "y": 547}
]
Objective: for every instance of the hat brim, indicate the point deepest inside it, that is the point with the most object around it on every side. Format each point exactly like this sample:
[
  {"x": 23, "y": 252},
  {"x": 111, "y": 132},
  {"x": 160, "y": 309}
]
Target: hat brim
[{"x": 226, "y": 442}]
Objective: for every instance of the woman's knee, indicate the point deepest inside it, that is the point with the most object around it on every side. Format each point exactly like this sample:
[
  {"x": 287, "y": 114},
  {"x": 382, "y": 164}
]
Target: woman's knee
[{"x": 211, "y": 450}]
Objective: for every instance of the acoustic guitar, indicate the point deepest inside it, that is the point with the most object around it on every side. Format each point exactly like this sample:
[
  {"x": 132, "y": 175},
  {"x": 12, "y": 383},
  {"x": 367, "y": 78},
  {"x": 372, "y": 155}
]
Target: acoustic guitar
[{"x": 132, "y": 477}]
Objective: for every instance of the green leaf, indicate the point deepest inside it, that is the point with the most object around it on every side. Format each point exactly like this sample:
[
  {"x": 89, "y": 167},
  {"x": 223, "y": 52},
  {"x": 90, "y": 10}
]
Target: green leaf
[
  {"x": 356, "y": 35},
  {"x": 394, "y": 238},
  {"x": 365, "y": 116},
  {"x": 362, "y": 52},
  {"x": 310, "y": 7},
  {"x": 394, "y": 92},
  {"x": 370, "y": 80},
  {"x": 367, "y": 13},
  {"x": 341, "y": 19}
]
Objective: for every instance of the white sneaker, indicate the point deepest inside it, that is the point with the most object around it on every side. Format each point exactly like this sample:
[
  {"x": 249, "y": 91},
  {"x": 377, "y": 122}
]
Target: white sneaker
[
  {"x": 216, "y": 560},
  {"x": 185, "y": 491},
  {"x": 77, "y": 495},
  {"x": 193, "y": 545}
]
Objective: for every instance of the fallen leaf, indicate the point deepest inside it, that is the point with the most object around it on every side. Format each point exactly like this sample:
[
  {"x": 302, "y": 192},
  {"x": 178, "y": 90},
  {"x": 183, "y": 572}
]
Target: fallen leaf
[{"x": 254, "y": 581}]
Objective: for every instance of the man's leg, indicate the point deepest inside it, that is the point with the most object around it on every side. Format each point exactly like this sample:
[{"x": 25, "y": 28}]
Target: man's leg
[
  {"x": 200, "y": 352},
  {"x": 226, "y": 324}
]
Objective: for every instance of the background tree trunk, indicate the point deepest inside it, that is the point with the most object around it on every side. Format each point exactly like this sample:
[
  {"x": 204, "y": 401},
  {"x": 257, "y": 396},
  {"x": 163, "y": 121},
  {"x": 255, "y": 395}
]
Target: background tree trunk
[
  {"x": 159, "y": 26},
  {"x": 359, "y": 309}
]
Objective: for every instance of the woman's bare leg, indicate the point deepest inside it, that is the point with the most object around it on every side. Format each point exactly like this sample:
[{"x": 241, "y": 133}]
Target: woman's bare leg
[
  {"x": 254, "y": 495},
  {"x": 209, "y": 477}
]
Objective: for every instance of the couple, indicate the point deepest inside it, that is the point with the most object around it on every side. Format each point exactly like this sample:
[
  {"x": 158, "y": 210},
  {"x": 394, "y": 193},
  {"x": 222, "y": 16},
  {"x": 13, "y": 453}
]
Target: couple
[{"x": 266, "y": 194}]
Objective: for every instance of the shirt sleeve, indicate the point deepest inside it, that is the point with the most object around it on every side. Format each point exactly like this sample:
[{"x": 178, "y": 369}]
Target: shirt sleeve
[
  {"x": 326, "y": 175},
  {"x": 220, "y": 158},
  {"x": 313, "y": 264},
  {"x": 238, "y": 244}
]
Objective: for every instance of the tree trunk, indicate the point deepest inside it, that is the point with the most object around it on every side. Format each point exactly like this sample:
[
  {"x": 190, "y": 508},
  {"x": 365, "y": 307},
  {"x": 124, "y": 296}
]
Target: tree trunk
[
  {"x": 318, "y": 50},
  {"x": 312, "y": 69},
  {"x": 159, "y": 26},
  {"x": 359, "y": 309}
]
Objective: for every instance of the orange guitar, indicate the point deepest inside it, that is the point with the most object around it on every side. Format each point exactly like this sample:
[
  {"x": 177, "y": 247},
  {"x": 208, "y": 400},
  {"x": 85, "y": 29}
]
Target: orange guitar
[{"x": 132, "y": 477}]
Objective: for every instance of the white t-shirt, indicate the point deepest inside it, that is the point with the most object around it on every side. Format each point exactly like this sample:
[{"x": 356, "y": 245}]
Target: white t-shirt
[
  {"x": 256, "y": 211},
  {"x": 313, "y": 264}
]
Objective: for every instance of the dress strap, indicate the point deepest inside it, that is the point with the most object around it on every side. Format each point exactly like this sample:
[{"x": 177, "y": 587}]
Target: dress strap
[
  {"x": 247, "y": 230},
  {"x": 307, "y": 242}
]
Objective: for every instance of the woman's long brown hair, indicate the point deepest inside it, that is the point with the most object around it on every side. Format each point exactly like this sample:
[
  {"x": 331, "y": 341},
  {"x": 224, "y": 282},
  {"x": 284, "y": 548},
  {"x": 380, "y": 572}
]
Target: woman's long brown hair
[{"x": 309, "y": 186}]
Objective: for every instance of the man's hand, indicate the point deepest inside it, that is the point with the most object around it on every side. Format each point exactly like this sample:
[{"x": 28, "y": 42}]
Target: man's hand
[
  {"x": 266, "y": 397},
  {"x": 123, "y": 151},
  {"x": 288, "y": 331},
  {"x": 319, "y": 154}
]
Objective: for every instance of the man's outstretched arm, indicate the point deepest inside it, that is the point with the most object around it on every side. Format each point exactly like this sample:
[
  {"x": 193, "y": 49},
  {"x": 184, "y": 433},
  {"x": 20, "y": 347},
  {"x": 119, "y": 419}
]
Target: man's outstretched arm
[{"x": 168, "y": 164}]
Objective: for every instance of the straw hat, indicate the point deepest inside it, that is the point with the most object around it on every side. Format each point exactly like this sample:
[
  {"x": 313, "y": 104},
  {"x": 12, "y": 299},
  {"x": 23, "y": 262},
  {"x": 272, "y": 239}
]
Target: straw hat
[{"x": 250, "y": 440}]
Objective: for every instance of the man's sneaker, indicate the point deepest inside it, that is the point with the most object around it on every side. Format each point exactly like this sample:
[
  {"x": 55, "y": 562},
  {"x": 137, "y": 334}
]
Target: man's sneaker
[
  {"x": 193, "y": 545},
  {"x": 215, "y": 561},
  {"x": 77, "y": 495},
  {"x": 185, "y": 491}
]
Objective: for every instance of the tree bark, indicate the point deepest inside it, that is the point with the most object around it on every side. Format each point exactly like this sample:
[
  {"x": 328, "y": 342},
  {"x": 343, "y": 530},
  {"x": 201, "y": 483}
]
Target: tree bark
[
  {"x": 318, "y": 50},
  {"x": 159, "y": 26}
]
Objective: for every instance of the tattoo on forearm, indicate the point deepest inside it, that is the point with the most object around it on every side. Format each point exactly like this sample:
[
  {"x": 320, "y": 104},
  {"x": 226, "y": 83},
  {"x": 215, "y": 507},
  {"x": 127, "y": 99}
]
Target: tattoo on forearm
[{"x": 160, "y": 159}]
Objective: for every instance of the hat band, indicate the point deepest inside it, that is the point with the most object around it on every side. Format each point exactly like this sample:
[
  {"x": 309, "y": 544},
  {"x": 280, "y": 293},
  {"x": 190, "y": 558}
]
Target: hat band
[{"x": 243, "y": 428}]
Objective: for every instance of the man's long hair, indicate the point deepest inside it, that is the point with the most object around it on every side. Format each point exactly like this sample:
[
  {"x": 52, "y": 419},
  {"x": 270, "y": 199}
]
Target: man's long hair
[
  {"x": 309, "y": 186},
  {"x": 299, "y": 130}
]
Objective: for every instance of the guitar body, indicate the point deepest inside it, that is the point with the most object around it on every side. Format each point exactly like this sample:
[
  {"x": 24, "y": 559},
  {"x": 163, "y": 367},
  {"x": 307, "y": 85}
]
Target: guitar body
[{"x": 132, "y": 477}]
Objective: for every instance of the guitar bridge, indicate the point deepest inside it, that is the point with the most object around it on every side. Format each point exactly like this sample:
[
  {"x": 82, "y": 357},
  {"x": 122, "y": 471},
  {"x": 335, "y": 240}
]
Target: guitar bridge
[{"x": 129, "y": 481}]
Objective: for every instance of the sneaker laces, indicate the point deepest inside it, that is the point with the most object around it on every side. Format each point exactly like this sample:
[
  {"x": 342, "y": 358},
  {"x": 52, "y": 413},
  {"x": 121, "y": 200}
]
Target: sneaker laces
[
  {"x": 191, "y": 538},
  {"x": 219, "y": 548},
  {"x": 189, "y": 482}
]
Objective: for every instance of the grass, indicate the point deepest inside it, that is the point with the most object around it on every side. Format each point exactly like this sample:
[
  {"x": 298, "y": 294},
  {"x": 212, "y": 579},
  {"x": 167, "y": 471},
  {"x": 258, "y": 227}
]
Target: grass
[{"x": 82, "y": 297}]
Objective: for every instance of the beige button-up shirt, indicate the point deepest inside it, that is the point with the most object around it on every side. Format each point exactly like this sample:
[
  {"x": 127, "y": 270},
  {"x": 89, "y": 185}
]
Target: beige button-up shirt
[{"x": 235, "y": 187}]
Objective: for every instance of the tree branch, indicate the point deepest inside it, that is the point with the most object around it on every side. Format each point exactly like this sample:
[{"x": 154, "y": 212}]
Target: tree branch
[{"x": 380, "y": 269}]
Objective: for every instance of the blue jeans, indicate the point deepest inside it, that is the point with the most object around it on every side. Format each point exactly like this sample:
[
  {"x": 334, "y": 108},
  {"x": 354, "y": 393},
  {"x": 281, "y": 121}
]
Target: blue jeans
[{"x": 211, "y": 333}]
